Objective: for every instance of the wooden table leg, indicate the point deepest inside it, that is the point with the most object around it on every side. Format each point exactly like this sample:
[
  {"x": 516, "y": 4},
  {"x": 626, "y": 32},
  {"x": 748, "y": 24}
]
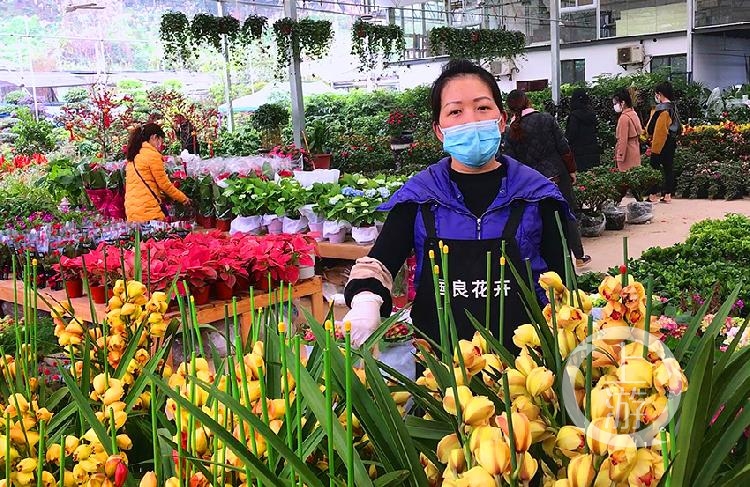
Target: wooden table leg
[{"x": 319, "y": 309}]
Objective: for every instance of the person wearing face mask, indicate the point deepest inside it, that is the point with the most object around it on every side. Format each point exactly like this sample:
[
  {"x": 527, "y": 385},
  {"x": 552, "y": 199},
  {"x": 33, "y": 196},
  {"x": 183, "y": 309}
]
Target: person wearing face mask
[
  {"x": 472, "y": 201},
  {"x": 146, "y": 181},
  {"x": 664, "y": 128},
  {"x": 535, "y": 139},
  {"x": 627, "y": 147}
]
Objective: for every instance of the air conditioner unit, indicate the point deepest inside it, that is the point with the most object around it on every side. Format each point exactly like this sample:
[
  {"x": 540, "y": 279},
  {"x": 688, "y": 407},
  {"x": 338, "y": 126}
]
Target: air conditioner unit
[
  {"x": 500, "y": 68},
  {"x": 630, "y": 55}
]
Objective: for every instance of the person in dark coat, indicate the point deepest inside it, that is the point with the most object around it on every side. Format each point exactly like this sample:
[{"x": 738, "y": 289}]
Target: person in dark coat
[
  {"x": 536, "y": 140},
  {"x": 187, "y": 135},
  {"x": 581, "y": 131}
]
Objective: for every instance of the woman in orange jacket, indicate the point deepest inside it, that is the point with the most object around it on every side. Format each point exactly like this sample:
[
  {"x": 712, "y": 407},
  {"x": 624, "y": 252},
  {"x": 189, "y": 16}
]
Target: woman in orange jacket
[
  {"x": 146, "y": 181},
  {"x": 664, "y": 127}
]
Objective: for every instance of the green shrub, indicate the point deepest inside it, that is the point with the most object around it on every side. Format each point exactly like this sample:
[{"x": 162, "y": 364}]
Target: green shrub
[
  {"x": 716, "y": 255},
  {"x": 244, "y": 141},
  {"x": 34, "y": 136},
  {"x": 15, "y": 97},
  {"x": 76, "y": 95}
]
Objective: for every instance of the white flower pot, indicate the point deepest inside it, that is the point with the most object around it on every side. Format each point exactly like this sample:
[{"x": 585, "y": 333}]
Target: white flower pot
[
  {"x": 317, "y": 229},
  {"x": 294, "y": 226},
  {"x": 273, "y": 223},
  {"x": 364, "y": 235}
]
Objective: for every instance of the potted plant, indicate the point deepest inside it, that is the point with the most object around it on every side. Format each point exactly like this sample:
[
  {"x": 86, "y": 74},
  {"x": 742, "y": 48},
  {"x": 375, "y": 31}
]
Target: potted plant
[
  {"x": 592, "y": 191},
  {"x": 292, "y": 198},
  {"x": 205, "y": 204},
  {"x": 70, "y": 271},
  {"x": 362, "y": 214},
  {"x": 401, "y": 128},
  {"x": 317, "y": 137},
  {"x": 200, "y": 271},
  {"x": 268, "y": 119},
  {"x": 640, "y": 181},
  {"x": 336, "y": 218},
  {"x": 222, "y": 209}
]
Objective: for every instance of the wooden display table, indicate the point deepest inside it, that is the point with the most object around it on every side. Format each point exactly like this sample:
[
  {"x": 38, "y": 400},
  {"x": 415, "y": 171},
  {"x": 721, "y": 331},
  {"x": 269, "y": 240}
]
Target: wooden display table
[
  {"x": 207, "y": 313},
  {"x": 347, "y": 250}
]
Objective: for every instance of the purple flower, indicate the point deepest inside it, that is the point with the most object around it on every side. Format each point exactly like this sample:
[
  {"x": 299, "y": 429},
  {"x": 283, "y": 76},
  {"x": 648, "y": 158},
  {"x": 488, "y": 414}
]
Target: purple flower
[{"x": 738, "y": 305}]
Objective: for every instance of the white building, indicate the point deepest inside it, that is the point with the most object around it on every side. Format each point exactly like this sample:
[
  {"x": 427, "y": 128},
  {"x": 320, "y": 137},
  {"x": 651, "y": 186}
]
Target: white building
[{"x": 704, "y": 40}]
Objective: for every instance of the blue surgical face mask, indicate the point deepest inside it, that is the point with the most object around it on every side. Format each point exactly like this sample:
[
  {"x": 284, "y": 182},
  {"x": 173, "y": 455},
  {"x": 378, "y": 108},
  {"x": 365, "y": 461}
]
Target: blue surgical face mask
[{"x": 473, "y": 144}]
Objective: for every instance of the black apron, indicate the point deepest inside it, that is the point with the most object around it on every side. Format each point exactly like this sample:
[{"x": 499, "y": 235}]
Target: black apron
[{"x": 467, "y": 273}]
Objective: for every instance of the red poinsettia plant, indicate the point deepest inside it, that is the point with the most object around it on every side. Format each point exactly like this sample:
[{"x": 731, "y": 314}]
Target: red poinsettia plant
[{"x": 105, "y": 264}]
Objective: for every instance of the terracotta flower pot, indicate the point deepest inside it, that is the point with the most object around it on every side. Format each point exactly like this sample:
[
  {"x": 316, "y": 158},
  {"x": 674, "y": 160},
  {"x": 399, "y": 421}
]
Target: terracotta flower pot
[
  {"x": 224, "y": 224},
  {"x": 206, "y": 221},
  {"x": 74, "y": 289},
  {"x": 321, "y": 161},
  {"x": 97, "y": 294},
  {"x": 242, "y": 285},
  {"x": 222, "y": 291},
  {"x": 201, "y": 295}
]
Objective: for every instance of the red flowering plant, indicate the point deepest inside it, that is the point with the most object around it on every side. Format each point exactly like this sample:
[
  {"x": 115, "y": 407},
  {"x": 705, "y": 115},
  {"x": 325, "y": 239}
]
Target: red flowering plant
[
  {"x": 100, "y": 128},
  {"x": 399, "y": 122},
  {"x": 281, "y": 256},
  {"x": 20, "y": 161},
  {"x": 293, "y": 153},
  {"x": 105, "y": 264}
]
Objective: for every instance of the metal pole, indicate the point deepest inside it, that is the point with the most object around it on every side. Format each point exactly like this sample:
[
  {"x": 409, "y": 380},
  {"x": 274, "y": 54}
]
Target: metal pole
[
  {"x": 690, "y": 29},
  {"x": 295, "y": 82},
  {"x": 31, "y": 71},
  {"x": 554, "y": 31},
  {"x": 227, "y": 74}
]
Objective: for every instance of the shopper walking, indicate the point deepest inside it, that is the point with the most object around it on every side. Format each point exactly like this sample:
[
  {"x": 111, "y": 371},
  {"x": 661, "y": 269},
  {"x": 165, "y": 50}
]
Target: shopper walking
[
  {"x": 628, "y": 132},
  {"x": 581, "y": 131},
  {"x": 664, "y": 127},
  {"x": 535, "y": 139}
]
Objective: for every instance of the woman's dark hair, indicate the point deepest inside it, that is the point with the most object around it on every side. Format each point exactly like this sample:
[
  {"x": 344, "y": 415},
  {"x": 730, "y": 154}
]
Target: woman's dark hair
[
  {"x": 457, "y": 68},
  {"x": 624, "y": 97},
  {"x": 665, "y": 88},
  {"x": 517, "y": 103},
  {"x": 579, "y": 99},
  {"x": 141, "y": 134}
]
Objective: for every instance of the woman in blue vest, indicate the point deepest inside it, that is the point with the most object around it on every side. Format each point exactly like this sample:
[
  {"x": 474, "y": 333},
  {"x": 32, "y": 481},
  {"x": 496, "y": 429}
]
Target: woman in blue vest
[{"x": 471, "y": 201}]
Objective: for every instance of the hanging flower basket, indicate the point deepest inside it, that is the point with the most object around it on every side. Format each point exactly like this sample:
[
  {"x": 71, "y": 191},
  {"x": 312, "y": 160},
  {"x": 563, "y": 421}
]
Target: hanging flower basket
[
  {"x": 477, "y": 44},
  {"x": 297, "y": 37},
  {"x": 373, "y": 43}
]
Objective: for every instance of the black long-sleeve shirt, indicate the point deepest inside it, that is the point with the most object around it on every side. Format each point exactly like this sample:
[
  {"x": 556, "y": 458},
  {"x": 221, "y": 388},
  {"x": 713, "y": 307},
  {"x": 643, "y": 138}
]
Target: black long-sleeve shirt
[{"x": 396, "y": 241}]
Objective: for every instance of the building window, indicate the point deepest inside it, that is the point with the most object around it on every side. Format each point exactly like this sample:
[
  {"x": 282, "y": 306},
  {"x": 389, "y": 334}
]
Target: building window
[
  {"x": 573, "y": 71},
  {"x": 535, "y": 85},
  {"x": 674, "y": 64},
  {"x": 620, "y": 18}
]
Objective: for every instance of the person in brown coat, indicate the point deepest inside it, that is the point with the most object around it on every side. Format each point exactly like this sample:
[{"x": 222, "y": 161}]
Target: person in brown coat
[
  {"x": 628, "y": 146},
  {"x": 146, "y": 181}
]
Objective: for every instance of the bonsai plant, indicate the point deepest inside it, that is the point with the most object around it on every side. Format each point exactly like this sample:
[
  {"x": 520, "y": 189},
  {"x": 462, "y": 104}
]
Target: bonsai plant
[
  {"x": 268, "y": 120},
  {"x": 317, "y": 139}
]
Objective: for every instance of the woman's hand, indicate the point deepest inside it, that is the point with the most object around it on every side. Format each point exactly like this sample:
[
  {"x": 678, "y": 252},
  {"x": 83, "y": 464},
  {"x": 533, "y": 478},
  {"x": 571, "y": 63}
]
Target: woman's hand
[
  {"x": 364, "y": 316},
  {"x": 573, "y": 177}
]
